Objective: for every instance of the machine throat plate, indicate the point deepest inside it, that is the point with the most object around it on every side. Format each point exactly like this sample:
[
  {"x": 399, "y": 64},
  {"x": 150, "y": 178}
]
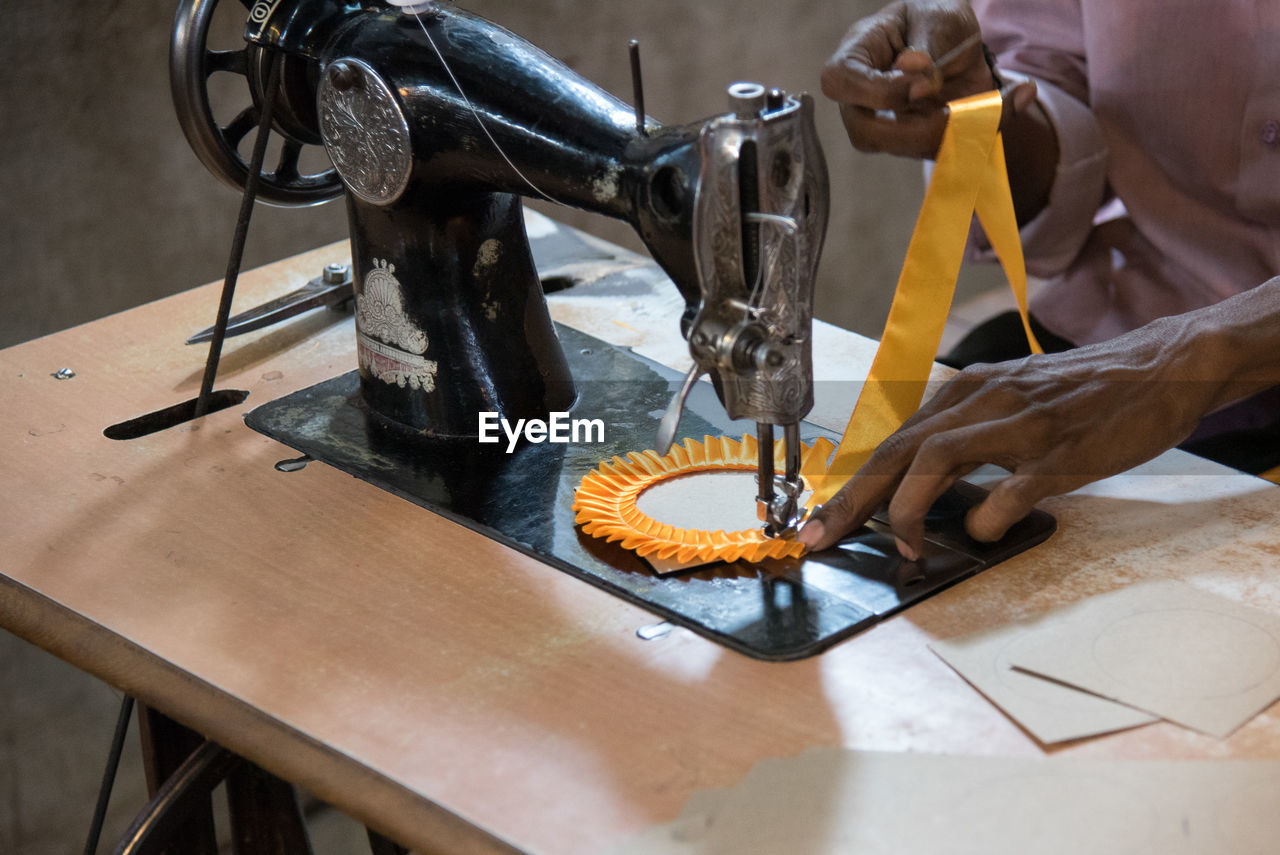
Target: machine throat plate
[{"x": 776, "y": 610}]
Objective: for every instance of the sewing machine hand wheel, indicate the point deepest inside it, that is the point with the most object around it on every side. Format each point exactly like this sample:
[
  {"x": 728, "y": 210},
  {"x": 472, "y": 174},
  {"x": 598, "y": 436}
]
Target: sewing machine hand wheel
[{"x": 191, "y": 65}]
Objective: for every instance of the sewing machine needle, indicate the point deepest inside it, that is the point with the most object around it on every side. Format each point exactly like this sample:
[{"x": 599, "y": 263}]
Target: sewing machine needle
[{"x": 765, "y": 473}]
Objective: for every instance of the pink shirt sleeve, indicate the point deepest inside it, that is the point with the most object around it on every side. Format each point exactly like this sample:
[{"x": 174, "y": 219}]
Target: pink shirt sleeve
[
  {"x": 1052, "y": 240},
  {"x": 1054, "y": 58},
  {"x": 1191, "y": 149}
]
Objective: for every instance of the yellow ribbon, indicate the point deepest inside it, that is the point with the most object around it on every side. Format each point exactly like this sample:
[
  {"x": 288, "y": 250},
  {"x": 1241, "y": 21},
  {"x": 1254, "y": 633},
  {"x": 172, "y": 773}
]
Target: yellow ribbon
[{"x": 970, "y": 177}]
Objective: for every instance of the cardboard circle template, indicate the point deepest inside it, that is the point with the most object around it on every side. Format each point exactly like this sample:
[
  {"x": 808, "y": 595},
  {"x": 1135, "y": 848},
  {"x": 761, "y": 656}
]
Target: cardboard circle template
[{"x": 1229, "y": 655}]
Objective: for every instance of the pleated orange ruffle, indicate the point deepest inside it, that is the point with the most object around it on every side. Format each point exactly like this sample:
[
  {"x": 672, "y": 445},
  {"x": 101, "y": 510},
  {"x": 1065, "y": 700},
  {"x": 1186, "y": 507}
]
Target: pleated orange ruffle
[{"x": 606, "y": 501}]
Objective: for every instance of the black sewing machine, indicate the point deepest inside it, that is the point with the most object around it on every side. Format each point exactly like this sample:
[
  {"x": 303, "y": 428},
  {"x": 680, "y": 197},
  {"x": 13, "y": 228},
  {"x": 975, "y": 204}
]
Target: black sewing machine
[{"x": 437, "y": 123}]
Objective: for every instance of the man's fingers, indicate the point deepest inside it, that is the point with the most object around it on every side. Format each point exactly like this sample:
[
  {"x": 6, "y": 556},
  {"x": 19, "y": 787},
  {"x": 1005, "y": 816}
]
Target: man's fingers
[
  {"x": 1007, "y": 503},
  {"x": 924, "y": 78},
  {"x": 907, "y": 133},
  {"x": 848, "y": 80},
  {"x": 914, "y": 60},
  {"x": 1017, "y": 98},
  {"x": 862, "y": 494},
  {"x": 909, "y": 116},
  {"x": 861, "y": 71},
  {"x": 926, "y": 88},
  {"x": 846, "y": 510},
  {"x": 942, "y": 458}
]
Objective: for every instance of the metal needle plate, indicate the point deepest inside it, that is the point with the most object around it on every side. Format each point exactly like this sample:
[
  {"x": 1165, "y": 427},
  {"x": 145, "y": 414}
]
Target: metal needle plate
[{"x": 772, "y": 610}]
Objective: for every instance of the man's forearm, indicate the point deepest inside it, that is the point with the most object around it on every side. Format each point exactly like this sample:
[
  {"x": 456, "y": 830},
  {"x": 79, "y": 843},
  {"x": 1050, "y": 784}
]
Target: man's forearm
[
  {"x": 1031, "y": 154},
  {"x": 1238, "y": 342}
]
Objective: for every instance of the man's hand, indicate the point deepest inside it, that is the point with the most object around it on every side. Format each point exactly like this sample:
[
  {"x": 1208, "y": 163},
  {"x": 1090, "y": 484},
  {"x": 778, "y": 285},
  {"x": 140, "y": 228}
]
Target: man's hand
[
  {"x": 1056, "y": 422},
  {"x": 891, "y": 94}
]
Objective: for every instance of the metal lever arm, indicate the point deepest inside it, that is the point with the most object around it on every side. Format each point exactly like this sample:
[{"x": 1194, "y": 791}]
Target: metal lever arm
[{"x": 671, "y": 418}]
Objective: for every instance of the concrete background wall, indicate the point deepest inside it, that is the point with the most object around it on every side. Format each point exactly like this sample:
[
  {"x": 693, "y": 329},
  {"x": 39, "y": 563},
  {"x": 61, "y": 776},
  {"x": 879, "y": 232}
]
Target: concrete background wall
[{"x": 104, "y": 206}]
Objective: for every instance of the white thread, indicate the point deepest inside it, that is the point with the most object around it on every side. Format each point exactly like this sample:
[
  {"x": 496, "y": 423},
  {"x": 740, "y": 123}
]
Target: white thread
[
  {"x": 757, "y": 289},
  {"x": 789, "y": 226},
  {"x": 444, "y": 63}
]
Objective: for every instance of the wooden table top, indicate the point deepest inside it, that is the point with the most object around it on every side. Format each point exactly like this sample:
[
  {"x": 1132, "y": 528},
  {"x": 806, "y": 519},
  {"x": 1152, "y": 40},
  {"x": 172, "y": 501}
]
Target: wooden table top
[{"x": 455, "y": 694}]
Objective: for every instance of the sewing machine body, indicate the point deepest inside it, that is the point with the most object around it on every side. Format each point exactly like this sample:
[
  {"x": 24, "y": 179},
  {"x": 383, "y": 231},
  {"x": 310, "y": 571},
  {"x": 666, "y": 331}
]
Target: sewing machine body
[{"x": 438, "y": 121}]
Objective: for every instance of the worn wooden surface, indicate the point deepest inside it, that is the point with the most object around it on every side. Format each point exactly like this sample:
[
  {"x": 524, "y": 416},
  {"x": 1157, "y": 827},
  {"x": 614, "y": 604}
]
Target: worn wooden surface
[{"x": 450, "y": 692}]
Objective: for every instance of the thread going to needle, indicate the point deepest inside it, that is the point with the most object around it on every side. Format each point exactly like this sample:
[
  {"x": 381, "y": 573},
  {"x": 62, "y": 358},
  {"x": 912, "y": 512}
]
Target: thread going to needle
[{"x": 476, "y": 113}]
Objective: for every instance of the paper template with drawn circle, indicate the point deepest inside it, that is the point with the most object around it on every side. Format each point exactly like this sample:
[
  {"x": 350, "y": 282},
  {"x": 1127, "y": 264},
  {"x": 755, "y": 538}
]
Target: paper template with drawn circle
[
  {"x": 1167, "y": 648},
  {"x": 832, "y": 802},
  {"x": 1049, "y": 711}
]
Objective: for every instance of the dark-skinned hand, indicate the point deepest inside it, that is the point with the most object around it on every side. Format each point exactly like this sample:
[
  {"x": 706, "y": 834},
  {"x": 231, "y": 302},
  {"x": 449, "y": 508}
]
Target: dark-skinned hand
[
  {"x": 892, "y": 96},
  {"x": 1055, "y": 422}
]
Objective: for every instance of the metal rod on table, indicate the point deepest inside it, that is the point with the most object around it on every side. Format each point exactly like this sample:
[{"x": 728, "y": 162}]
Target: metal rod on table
[{"x": 237, "y": 241}]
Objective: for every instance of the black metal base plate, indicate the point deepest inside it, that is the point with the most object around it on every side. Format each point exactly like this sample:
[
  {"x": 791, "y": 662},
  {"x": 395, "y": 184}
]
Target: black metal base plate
[{"x": 775, "y": 610}]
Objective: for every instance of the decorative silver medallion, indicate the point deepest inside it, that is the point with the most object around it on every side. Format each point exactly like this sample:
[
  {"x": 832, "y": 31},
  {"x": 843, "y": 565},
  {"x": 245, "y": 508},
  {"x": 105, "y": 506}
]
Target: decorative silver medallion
[
  {"x": 389, "y": 345},
  {"x": 364, "y": 131}
]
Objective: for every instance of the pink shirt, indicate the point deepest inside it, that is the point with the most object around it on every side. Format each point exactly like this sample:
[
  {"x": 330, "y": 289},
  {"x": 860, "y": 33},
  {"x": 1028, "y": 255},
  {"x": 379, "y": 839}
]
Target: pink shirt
[{"x": 1167, "y": 112}]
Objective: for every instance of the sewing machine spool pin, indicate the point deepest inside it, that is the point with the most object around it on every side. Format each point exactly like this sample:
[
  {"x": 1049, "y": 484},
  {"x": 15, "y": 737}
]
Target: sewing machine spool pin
[{"x": 637, "y": 87}]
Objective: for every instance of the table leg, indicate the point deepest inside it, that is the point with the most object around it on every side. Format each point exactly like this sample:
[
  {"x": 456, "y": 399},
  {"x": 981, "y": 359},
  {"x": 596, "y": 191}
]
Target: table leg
[
  {"x": 265, "y": 817},
  {"x": 166, "y": 745},
  {"x": 379, "y": 845},
  {"x": 180, "y": 805}
]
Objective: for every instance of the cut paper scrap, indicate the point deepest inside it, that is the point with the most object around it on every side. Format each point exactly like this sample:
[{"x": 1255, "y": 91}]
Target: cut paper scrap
[
  {"x": 1049, "y": 711},
  {"x": 970, "y": 177},
  {"x": 1165, "y": 647},
  {"x": 838, "y": 801},
  {"x": 605, "y": 502}
]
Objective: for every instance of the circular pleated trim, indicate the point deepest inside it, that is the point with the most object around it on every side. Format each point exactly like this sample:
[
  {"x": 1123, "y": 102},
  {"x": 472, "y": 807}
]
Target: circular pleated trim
[{"x": 605, "y": 501}]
